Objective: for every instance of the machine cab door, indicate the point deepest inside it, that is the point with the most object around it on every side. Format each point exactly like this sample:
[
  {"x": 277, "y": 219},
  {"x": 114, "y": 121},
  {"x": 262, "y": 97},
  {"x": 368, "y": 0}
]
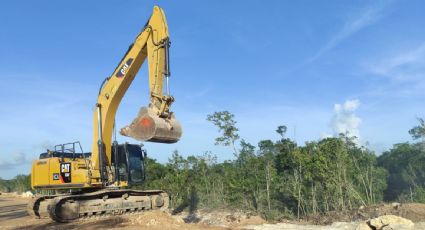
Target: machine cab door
[{"x": 130, "y": 163}]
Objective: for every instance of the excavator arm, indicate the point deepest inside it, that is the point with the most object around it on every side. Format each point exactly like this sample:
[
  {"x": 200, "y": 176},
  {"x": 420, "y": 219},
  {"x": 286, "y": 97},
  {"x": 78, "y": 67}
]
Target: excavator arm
[{"x": 154, "y": 123}]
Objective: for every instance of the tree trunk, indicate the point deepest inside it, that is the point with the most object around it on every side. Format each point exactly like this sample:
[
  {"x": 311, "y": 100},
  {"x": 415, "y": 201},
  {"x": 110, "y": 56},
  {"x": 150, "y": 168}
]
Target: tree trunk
[{"x": 268, "y": 185}]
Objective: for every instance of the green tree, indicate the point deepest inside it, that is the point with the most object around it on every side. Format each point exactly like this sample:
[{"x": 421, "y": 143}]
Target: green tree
[
  {"x": 226, "y": 124},
  {"x": 22, "y": 183},
  {"x": 5, "y": 185},
  {"x": 267, "y": 155},
  {"x": 418, "y": 131},
  {"x": 404, "y": 163},
  {"x": 281, "y": 130}
]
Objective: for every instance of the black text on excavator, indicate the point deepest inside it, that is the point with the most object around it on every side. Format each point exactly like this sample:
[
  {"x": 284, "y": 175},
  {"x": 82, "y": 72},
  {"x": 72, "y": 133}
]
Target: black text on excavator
[{"x": 97, "y": 182}]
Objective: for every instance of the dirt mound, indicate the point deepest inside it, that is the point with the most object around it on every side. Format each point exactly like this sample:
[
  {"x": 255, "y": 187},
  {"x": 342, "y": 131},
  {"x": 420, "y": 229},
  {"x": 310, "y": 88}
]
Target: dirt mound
[
  {"x": 158, "y": 220},
  {"x": 412, "y": 211},
  {"x": 155, "y": 220},
  {"x": 221, "y": 218},
  {"x": 252, "y": 220}
]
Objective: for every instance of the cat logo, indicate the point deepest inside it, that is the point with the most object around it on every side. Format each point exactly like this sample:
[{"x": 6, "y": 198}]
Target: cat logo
[
  {"x": 65, "y": 168},
  {"x": 124, "y": 68},
  {"x": 65, "y": 173}
]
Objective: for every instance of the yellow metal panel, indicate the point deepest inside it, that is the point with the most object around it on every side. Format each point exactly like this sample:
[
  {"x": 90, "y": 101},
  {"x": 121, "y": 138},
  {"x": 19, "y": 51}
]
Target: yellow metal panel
[
  {"x": 39, "y": 174},
  {"x": 54, "y": 169},
  {"x": 46, "y": 173}
]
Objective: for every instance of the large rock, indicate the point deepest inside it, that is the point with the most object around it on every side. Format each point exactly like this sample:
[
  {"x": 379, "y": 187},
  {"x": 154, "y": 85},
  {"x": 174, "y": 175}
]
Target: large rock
[
  {"x": 27, "y": 194},
  {"x": 363, "y": 226},
  {"x": 389, "y": 222}
]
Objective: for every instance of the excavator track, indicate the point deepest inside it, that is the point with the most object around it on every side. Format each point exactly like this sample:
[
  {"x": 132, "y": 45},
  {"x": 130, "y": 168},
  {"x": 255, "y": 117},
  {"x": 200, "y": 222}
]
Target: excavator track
[
  {"x": 37, "y": 207},
  {"x": 69, "y": 208}
]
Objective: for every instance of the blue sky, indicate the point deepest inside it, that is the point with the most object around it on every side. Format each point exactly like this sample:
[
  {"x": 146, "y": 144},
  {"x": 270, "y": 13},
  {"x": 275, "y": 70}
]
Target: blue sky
[{"x": 319, "y": 67}]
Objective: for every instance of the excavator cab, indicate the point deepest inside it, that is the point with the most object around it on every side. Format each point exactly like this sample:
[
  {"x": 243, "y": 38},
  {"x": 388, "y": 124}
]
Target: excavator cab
[{"x": 128, "y": 162}]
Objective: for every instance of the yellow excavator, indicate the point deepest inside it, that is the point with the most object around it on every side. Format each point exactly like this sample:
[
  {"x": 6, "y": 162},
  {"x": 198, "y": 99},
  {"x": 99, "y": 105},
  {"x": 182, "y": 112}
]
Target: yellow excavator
[{"x": 99, "y": 182}]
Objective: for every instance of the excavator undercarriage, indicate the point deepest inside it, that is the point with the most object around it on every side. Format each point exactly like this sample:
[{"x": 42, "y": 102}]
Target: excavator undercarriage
[{"x": 67, "y": 208}]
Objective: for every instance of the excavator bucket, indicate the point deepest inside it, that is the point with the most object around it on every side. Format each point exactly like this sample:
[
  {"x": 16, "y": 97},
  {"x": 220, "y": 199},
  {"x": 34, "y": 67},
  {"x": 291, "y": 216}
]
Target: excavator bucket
[{"x": 147, "y": 126}]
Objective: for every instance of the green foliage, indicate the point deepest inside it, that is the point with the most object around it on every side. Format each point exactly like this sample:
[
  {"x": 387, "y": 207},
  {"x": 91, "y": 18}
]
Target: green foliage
[
  {"x": 405, "y": 164},
  {"x": 21, "y": 183},
  {"x": 227, "y": 126},
  {"x": 419, "y": 130},
  {"x": 281, "y": 130},
  {"x": 277, "y": 179}
]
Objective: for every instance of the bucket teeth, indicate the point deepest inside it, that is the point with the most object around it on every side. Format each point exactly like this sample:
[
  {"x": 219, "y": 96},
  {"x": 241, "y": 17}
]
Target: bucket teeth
[{"x": 149, "y": 127}]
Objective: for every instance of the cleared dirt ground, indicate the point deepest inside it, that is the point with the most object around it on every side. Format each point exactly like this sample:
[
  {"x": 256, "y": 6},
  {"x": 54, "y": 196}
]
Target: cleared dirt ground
[{"x": 13, "y": 216}]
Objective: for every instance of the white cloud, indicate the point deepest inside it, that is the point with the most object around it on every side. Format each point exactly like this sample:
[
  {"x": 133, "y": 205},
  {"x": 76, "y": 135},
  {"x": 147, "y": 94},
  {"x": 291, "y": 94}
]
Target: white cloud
[
  {"x": 367, "y": 17},
  {"x": 345, "y": 119},
  {"x": 405, "y": 66},
  {"x": 402, "y": 74}
]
